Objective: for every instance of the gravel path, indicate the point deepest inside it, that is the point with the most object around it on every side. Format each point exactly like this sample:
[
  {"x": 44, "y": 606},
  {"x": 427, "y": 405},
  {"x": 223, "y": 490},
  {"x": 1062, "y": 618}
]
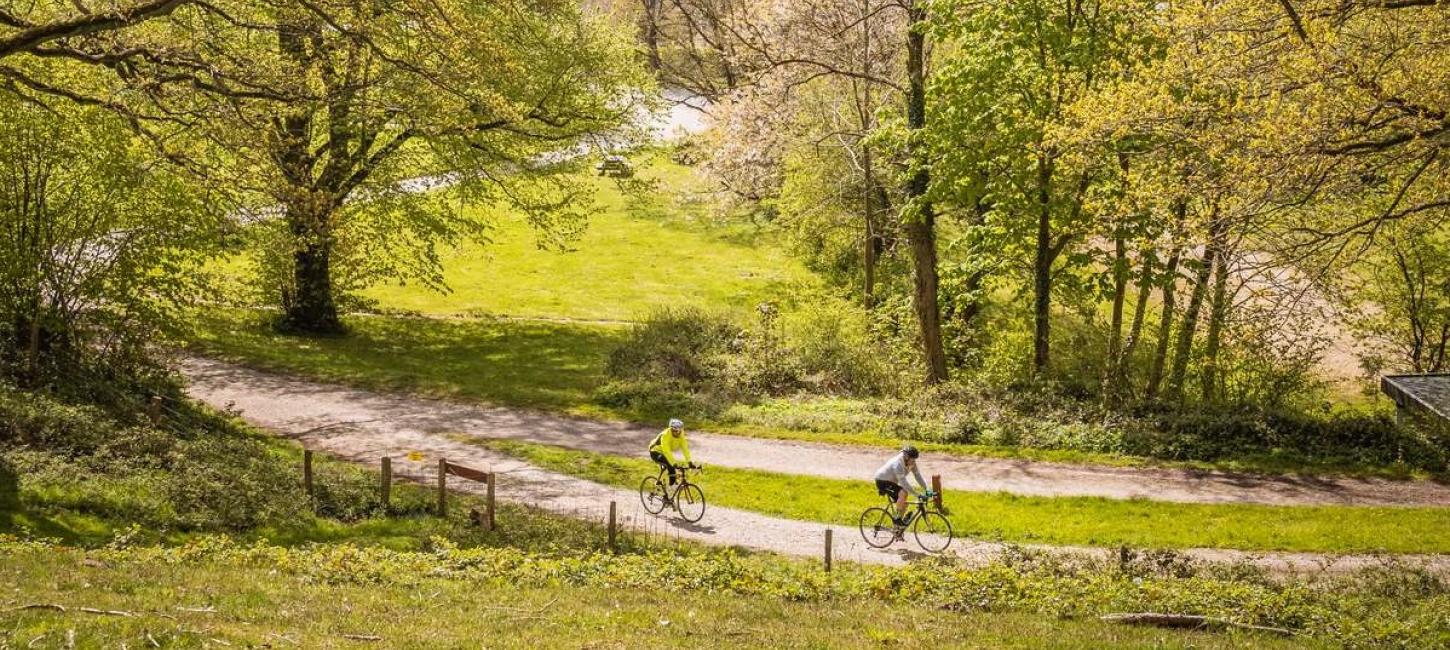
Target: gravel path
[
  {"x": 295, "y": 405},
  {"x": 364, "y": 426}
]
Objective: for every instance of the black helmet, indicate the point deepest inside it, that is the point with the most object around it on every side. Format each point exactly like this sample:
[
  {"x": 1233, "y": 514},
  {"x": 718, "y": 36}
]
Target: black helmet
[{"x": 910, "y": 451}]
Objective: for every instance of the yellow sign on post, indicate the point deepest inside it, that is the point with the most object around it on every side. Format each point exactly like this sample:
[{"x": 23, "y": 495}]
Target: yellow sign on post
[{"x": 415, "y": 456}]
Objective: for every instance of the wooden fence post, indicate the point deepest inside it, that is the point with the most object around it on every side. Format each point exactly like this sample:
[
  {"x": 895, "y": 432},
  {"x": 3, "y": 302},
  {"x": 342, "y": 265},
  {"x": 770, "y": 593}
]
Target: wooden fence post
[
  {"x": 612, "y": 546},
  {"x": 307, "y": 471},
  {"x": 936, "y": 487},
  {"x": 490, "y": 501},
  {"x": 828, "y": 550},
  {"x": 153, "y": 410},
  {"x": 387, "y": 481},
  {"x": 442, "y": 487}
]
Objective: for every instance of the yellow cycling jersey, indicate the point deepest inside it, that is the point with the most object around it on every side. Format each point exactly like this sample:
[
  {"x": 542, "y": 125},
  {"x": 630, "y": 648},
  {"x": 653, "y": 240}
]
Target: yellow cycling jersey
[{"x": 667, "y": 444}]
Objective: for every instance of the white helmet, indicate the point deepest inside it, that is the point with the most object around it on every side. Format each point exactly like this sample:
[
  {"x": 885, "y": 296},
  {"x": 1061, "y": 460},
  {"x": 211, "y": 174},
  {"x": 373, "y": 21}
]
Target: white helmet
[{"x": 676, "y": 423}]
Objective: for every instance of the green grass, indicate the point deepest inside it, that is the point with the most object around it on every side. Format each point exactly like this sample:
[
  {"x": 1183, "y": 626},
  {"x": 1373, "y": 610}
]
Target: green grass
[
  {"x": 1073, "y": 521},
  {"x": 194, "y": 604},
  {"x": 553, "y": 366}
]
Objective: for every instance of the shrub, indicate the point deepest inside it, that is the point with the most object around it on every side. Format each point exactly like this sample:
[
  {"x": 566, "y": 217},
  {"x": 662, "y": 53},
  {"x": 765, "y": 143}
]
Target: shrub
[
  {"x": 229, "y": 483},
  {"x": 680, "y": 344}
]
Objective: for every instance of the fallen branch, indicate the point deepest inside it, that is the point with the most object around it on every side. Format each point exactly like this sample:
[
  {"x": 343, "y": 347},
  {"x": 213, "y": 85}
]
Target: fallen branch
[
  {"x": 1188, "y": 622},
  {"x": 362, "y": 637},
  {"x": 61, "y": 608},
  {"x": 104, "y": 612},
  {"x": 51, "y": 606}
]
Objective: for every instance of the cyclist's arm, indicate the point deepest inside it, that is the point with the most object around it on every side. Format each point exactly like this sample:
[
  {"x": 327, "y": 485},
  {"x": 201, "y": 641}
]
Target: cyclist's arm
[
  {"x": 919, "y": 480},
  {"x": 685, "y": 450}
]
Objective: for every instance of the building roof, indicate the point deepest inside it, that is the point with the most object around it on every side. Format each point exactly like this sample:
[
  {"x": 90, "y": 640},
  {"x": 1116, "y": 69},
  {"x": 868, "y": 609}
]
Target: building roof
[{"x": 1427, "y": 392}]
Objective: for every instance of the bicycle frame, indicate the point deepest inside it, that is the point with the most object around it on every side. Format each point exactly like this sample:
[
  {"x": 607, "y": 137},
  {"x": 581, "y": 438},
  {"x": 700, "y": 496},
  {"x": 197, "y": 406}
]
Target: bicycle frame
[
  {"x": 684, "y": 479},
  {"x": 915, "y": 507}
]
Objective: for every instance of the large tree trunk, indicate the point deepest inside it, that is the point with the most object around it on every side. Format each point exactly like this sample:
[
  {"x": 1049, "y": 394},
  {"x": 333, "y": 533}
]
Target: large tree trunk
[
  {"x": 312, "y": 309},
  {"x": 1042, "y": 271},
  {"x": 1218, "y": 312},
  {"x": 921, "y": 222},
  {"x": 1184, "y": 349},
  {"x": 974, "y": 281},
  {"x": 651, "y": 35},
  {"x": 1170, "y": 296}
]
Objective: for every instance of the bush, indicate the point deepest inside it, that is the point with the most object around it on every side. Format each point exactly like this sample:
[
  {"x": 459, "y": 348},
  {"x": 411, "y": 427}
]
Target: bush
[
  {"x": 230, "y": 483},
  {"x": 684, "y": 345},
  {"x": 681, "y": 360},
  {"x": 1371, "y": 439}
]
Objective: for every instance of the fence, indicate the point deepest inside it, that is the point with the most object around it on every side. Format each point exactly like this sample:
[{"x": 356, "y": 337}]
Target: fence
[{"x": 652, "y": 529}]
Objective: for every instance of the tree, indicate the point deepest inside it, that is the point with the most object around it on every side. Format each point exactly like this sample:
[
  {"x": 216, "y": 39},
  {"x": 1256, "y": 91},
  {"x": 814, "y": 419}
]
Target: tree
[
  {"x": 379, "y": 93},
  {"x": 1015, "y": 71},
  {"x": 98, "y": 239},
  {"x": 1402, "y": 296}
]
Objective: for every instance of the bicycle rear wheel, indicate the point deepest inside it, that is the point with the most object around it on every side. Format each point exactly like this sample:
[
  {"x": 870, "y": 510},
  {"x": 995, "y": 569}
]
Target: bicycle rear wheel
[
  {"x": 690, "y": 501},
  {"x": 654, "y": 495},
  {"x": 933, "y": 531},
  {"x": 878, "y": 528}
]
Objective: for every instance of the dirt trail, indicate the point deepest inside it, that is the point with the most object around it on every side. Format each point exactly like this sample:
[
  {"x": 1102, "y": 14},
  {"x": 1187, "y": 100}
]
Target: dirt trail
[
  {"x": 364, "y": 426},
  {"x": 294, "y": 405}
]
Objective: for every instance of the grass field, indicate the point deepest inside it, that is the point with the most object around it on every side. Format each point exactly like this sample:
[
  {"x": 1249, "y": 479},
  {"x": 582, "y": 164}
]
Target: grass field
[
  {"x": 641, "y": 249},
  {"x": 208, "y": 605},
  {"x": 1073, "y": 521},
  {"x": 517, "y": 363}
]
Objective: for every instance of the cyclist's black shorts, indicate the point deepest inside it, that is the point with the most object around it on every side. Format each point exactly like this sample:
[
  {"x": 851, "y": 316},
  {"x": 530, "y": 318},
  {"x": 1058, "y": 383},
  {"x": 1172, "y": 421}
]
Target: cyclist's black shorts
[{"x": 888, "y": 488}]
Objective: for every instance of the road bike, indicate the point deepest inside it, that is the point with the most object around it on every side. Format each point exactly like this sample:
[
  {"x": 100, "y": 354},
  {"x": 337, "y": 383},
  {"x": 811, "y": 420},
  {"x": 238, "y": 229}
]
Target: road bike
[
  {"x": 685, "y": 497},
  {"x": 930, "y": 527}
]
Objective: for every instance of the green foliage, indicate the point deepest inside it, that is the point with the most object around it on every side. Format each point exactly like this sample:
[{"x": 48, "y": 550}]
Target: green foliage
[
  {"x": 681, "y": 345},
  {"x": 99, "y": 242},
  {"x": 210, "y": 477}
]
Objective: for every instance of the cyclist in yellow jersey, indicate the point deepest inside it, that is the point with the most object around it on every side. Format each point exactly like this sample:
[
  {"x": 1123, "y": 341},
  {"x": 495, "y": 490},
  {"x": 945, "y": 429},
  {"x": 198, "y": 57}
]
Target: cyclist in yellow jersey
[{"x": 662, "y": 449}]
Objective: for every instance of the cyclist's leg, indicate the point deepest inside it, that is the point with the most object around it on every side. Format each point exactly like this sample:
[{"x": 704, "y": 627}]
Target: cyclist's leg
[
  {"x": 664, "y": 463},
  {"x": 900, "y": 503},
  {"x": 894, "y": 494}
]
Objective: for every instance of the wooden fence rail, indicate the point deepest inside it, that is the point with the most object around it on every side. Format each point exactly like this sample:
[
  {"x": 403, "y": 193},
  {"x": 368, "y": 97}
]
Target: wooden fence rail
[{"x": 446, "y": 468}]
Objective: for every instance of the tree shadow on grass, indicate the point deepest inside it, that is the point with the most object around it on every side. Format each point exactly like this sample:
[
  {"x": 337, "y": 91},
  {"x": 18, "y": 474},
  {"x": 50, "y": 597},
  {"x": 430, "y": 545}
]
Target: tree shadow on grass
[{"x": 16, "y": 518}]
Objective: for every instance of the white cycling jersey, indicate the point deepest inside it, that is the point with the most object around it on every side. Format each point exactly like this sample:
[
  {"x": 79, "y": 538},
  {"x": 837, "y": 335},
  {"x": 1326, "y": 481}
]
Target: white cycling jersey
[{"x": 895, "y": 471}]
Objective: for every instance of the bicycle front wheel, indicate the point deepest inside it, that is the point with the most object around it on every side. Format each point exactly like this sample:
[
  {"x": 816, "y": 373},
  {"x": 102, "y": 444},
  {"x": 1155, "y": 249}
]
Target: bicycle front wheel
[
  {"x": 690, "y": 501},
  {"x": 654, "y": 495},
  {"x": 877, "y": 528},
  {"x": 933, "y": 532}
]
